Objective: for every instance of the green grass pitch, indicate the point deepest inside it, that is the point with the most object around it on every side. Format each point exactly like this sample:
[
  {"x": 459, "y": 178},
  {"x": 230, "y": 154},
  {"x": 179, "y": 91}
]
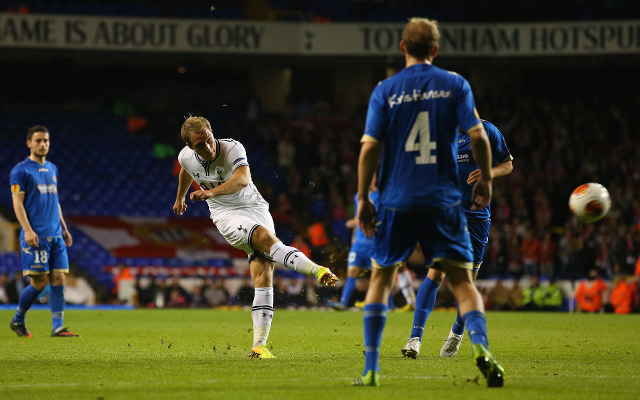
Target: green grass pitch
[{"x": 202, "y": 354}]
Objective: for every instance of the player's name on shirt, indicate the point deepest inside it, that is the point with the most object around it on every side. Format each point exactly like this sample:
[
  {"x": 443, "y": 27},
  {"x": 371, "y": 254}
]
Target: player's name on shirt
[{"x": 417, "y": 95}]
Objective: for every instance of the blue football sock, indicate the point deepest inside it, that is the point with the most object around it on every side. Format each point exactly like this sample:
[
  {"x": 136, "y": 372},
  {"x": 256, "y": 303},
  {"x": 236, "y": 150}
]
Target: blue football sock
[
  {"x": 458, "y": 326},
  {"x": 27, "y": 297},
  {"x": 375, "y": 317},
  {"x": 347, "y": 291},
  {"x": 425, "y": 300},
  {"x": 391, "y": 305},
  {"x": 476, "y": 324},
  {"x": 56, "y": 301}
]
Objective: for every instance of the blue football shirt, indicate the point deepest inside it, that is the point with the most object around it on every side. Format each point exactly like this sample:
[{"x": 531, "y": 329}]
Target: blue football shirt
[
  {"x": 39, "y": 183},
  {"x": 415, "y": 115},
  {"x": 466, "y": 164},
  {"x": 359, "y": 237}
]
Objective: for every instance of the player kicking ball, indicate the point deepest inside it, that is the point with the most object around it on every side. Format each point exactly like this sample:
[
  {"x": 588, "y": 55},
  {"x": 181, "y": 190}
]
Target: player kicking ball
[
  {"x": 241, "y": 215},
  {"x": 44, "y": 237}
]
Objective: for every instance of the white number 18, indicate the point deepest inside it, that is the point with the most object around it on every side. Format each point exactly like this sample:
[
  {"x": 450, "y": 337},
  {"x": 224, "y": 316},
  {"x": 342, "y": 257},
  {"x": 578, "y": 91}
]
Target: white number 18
[{"x": 420, "y": 140}]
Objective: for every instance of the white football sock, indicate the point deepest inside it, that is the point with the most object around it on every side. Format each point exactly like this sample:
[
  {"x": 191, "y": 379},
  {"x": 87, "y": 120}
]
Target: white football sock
[
  {"x": 262, "y": 314},
  {"x": 293, "y": 258},
  {"x": 405, "y": 282}
]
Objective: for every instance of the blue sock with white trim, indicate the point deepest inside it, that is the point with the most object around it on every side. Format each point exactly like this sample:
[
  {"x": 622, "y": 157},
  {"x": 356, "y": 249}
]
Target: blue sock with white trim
[
  {"x": 27, "y": 298},
  {"x": 56, "y": 302},
  {"x": 458, "y": 326},
  {"x": 347, "y": 291},
  {"x": 375, "y": 317},
  {"x": 425, "y": 301},
  {"x": 476, "y": 324}
]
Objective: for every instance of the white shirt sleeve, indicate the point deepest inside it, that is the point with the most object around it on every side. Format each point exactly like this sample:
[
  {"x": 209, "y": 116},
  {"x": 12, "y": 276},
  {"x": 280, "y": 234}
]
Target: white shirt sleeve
[{"x": 237, "y": 156}]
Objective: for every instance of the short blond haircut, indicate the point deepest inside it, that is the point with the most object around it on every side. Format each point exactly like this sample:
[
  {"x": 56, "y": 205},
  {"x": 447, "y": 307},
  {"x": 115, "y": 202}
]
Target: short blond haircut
[
  {"x": 197, "y": 125},
  {"x": 420, "y": 37}
]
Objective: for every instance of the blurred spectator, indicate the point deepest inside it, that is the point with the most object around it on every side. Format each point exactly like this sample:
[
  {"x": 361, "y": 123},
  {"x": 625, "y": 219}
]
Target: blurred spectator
[
  {"x": 4, "y": 280},
  {"x": 245, "y": 293},
  {"x": 622, "y": 297},
  {"x": 197, "y": 298},
  {"x": 175, "y": 293},
  {"x": 216, "y": 294},
  {"x": 176, "y": 299},
  {"x": 281, "y": 297},
  {"x": 590, "y": 291},
  {"x": 295, "y": 293},
  {"x": 529, "y": 250},
  {"x": 124, "y": 285},
  {"x": 300, "y": 244},
  {"x": 319, "y": 241},
  {"x": 309, "y": 290},
  {"x": 547, "y": 255},
  {"x": 516, "y": 297},
  {"x": 498, "y": 296},
  {"x": 147, "y": 293},
  {"x": 553, "y": 296},
  {"x": 533, "y": 296},
  {"x": 15, "y": 287},
  {"x": 78, "y": 291}
]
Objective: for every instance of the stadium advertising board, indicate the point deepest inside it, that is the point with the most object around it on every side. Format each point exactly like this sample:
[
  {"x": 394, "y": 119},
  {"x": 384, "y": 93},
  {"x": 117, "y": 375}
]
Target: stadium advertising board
[{"x": 297, "y": 39}]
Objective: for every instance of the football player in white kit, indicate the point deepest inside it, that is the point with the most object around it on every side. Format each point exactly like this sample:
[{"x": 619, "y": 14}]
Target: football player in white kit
[{"x": 241, "y": 215}]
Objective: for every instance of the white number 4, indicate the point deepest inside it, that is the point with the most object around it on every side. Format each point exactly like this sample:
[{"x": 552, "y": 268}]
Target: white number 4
[{"x": 420, "y": 140}]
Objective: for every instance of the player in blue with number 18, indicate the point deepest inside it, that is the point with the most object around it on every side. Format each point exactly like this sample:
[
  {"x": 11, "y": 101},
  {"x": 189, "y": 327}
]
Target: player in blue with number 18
[
  {"x": 44, "y": 234},
  {"x": 412, "y": 121}
]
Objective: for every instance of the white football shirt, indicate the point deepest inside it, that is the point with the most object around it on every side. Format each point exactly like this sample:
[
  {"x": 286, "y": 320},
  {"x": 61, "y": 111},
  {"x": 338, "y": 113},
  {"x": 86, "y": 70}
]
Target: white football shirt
[{"x": 230, "y": 155}]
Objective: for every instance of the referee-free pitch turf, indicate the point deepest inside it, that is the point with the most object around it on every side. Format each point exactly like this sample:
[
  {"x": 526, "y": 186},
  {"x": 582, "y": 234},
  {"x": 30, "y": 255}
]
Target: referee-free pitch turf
[{"x": 202, "y": 354}]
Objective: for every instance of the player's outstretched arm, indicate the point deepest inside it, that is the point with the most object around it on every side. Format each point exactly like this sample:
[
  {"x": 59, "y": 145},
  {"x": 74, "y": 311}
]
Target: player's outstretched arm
[
  {"x": 240, "y": 179},
  {"x": 184, "y": 181},
  {"x": 498, "y": 170},
  {"x": 367, "y": 163},
  {"x": 30, "y": 235},
  {"x": 66, "y": 235},
  {"x": 482, "y": 190}
]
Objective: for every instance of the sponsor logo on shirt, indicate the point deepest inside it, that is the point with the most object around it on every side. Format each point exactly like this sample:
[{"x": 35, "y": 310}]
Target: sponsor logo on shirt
[
  {"x": 238, "y": 160},
  {"x": 463, "y": 158},
  {"x": 44, "y": 189},
  {"x": 43, "y": 170}
]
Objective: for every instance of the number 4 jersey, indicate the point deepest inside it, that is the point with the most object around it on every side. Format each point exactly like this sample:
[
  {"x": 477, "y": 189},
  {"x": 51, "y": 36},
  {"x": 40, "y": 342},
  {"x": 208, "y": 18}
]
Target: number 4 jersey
[
  {"x": 414, "y": 115},
  {"x": 230, "y": 155}
]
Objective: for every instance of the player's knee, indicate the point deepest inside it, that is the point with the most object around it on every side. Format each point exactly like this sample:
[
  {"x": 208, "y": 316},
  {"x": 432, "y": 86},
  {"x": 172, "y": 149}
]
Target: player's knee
[
  {"x": 262, "y": 239},
  {"x": 435, "y": 275},
  {"x": 57, "y": 279},
  {"x": 39, "y": 282}
]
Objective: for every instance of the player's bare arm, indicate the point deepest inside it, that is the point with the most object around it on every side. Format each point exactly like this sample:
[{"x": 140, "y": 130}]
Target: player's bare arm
[
  {"x": 30, "y": 235},
  {"x": 184, "y": 182},
  {"x": 66, "y": 235},
  {"x": 482, "y": 190},
  {"x": 367, "y": 163},
  {"x": 500, "y": 169},
  {"x": 239, "y": 180}
]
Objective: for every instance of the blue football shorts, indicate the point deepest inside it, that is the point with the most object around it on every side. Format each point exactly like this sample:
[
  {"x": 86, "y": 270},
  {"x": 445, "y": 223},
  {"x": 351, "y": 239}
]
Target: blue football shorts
[
  {"x": 360, "y": 256},
  {"x": 442, "y": 233},
  {"x": 51, "y": 255},
  {"x": 479, "y": 232}
]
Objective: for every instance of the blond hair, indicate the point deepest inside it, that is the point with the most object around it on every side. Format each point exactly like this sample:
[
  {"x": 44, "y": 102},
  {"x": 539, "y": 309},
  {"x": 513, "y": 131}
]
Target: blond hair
[
  {"x": 197, "y": 125},
  {"x": 420, "y": 37}
]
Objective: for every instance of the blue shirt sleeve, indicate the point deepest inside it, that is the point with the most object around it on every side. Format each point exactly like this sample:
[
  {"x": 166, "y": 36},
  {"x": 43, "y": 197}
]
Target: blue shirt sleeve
[
  {"x": 18, "y": 177},
  {"x": 465, "y": 106},
  {"x": 375, "y": 125},
  {"x": 499, "y": 150}
]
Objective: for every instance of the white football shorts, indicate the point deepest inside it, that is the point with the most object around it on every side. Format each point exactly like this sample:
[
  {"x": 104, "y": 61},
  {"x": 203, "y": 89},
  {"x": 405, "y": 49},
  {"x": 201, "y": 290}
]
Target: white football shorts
[{"x": 237, "y": 226}]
